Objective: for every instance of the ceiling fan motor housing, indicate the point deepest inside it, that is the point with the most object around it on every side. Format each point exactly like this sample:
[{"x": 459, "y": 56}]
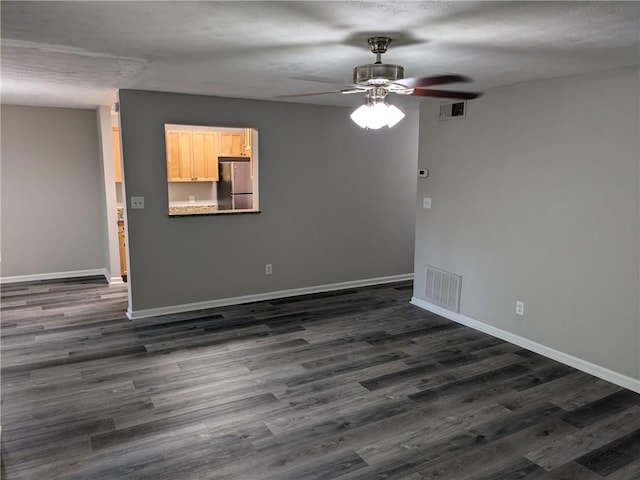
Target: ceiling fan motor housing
[{"x": 377, "y": 74}]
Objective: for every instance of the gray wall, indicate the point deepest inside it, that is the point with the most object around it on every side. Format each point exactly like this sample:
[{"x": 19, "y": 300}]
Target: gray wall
[
  {"x": 536, "y": 198},
  {"x": 52, "y": 208},
  {"x": 338, "y": 203}
]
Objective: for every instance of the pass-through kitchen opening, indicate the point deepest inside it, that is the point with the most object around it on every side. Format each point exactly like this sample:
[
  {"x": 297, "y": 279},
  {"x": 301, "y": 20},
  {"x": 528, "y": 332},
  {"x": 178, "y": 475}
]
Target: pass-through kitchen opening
[{"x": 211, "y": 170}]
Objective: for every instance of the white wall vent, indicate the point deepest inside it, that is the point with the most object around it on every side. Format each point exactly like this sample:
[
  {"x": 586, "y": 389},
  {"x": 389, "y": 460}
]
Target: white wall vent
[
  {"x": 443, "y": 289},
  {"x": 452, "y": 110}
]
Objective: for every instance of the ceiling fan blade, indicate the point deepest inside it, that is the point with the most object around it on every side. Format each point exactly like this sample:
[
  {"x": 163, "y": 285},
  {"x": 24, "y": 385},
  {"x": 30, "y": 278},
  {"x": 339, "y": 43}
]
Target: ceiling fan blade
[
  {"x": 446, "y": 94},
  {"x": 308, "y": 94},
  {"x": 343, "y": 91},
  {"x": 313, "y": 78},
  {"x": 348, "y": 91},
  {"x": 415, "y": 82}
]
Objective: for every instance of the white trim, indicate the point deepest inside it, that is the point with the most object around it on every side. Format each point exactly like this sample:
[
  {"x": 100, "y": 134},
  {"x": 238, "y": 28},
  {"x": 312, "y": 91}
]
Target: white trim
[
  {"x": 55, "y": 275},
  {"x": 223, "y": 302},
  {"x": 105, "y": 126},
  {"x": 117, "y": 280},
  {"x": 588, "y": 367}
]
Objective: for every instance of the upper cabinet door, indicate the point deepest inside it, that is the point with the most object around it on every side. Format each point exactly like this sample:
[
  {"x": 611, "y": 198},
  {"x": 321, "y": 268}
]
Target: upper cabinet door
[
  {"x": 174, "y": 154},
  {"x": 186, "y": 154},
  {"x": 232, "y": 144},
  {"x": 192, "y": 156},
  {"x": 179, "y": 156},
  {"x": 205, "y": 156},
  {"x": 211, "y": 142}
]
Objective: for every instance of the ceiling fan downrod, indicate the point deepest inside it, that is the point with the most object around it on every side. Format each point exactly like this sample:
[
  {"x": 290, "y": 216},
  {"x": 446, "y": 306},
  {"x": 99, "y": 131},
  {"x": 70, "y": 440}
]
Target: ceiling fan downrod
[{"x": 379, "y": 46}]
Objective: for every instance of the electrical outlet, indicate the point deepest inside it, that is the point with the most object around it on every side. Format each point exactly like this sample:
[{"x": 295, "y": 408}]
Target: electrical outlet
[
  {"x": 426, "y": 202},
  {"x": 268, "y": 269},
  {"x": 519, "y": 308},
  {"x": 192, "y": 199},
  {"x": 137, "y": 202}
]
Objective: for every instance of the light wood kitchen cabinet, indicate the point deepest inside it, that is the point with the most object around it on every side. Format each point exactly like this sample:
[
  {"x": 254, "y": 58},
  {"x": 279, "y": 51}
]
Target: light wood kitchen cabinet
[
  {"x": 179, "y": 155},
  {"x": 232, "y": 145},
  {"x": 205, "y": 156},
  {"x": 248, "y": 141},
  {"x": 192, "y": 156},
  {"x": 117, "y": 167},
  {"x": 123, "y": 252}
]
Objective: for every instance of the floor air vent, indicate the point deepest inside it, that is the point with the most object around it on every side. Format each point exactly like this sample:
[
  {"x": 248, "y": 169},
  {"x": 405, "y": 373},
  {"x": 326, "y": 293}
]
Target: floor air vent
[{"x": 443, "y": 288}]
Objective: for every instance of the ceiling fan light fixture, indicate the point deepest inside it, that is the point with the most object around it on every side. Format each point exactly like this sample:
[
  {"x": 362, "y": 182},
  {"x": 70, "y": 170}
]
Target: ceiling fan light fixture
[
  {"x": 361, "y": 116},
  {"x": 376, "y": 115},
  {"x": 394, "y": 115}
]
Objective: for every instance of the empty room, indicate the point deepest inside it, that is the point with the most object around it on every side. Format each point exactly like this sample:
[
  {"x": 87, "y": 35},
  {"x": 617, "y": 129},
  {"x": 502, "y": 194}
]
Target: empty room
[{"x": 291, "y": 240}]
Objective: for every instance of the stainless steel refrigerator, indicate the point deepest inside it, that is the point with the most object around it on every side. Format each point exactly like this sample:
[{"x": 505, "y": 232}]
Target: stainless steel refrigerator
[{"x": 235, "y": 185}]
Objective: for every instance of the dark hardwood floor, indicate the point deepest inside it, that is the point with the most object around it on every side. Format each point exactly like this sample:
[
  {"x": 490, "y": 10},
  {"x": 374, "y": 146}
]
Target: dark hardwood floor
[{"x": 354, "y": 384}]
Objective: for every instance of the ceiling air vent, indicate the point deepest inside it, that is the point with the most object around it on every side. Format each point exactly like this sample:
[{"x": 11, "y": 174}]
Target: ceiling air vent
[{"x": 453, "y": 110}]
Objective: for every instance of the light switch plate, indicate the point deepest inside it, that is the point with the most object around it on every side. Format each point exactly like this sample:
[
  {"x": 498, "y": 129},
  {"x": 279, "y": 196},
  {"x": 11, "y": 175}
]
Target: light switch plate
[{"x": 137, "y": 202}]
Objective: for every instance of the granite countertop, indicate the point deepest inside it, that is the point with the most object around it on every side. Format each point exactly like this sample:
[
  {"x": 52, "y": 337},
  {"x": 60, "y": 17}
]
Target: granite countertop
[
  {"x": 192, "y": 209},
  {"x": 181, "y": 210}
]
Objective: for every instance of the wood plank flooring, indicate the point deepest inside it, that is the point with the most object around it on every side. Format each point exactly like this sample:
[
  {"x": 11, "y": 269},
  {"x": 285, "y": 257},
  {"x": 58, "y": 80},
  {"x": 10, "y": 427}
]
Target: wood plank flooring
[{"x": 353, "y": 384}]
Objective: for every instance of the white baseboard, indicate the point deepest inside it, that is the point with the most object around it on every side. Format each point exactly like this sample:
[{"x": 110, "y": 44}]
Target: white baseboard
[
  {"x": 54, "y": 276},
  {"x": 114, "y": 280},
  {"x": 575, "y": 362},
  {"x": 223, "y": 302}
]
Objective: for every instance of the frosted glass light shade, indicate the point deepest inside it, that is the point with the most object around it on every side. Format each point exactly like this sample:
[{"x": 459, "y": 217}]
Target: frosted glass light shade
[
  {"x": 394, "y": 115},
  {"x": 361, "y": 116},
  {"x": 377, "y": 115}
]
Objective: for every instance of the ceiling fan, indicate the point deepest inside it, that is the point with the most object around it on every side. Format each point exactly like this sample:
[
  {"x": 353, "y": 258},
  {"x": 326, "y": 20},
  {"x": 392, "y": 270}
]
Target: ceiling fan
[{"x": 378, "y": 79}]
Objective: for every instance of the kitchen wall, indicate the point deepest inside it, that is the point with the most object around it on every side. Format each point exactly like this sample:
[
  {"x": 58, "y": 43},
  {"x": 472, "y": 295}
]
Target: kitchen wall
[
  {"x": 205, "y": 193},
  {"x": 338, "y": 202},
  {"x": 535, "y": 197},
  {"x": 52, "y": 208}
]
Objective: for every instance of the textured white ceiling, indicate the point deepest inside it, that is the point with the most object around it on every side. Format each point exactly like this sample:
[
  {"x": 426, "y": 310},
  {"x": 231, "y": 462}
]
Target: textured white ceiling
[{"x": 80, "y": 53}]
